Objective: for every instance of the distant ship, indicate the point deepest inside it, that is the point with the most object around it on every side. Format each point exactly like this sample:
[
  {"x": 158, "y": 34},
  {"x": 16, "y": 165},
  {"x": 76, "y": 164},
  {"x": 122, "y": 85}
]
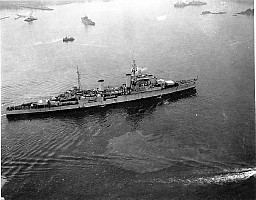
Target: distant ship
[
  {"x": 68, "y": 39},
  {"x": 214, "y": 13},
  {"x": 87, "y": 21},
  {"x": 192, "y": 3},
  {"x": 197, "y": 3},
  {"x": 30, "y": 19},
  {"x": 138, "y": 86},
  {"x": 180, "y": 5}
]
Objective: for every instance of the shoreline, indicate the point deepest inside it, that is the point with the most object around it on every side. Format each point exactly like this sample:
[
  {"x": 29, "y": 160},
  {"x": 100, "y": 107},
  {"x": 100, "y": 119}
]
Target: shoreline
[{"x": 38, "y": 8}]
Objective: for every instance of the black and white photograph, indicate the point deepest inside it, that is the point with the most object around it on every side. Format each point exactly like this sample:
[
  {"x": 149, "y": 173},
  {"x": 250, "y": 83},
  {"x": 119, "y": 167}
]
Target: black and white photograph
[{"x": 127, "y": 100}]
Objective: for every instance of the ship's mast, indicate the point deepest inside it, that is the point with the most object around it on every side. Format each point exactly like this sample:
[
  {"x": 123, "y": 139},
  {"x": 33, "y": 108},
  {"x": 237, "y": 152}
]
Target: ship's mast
[
  {"x": 78, "y": 79},
  {"x": 134, "y": 67}
]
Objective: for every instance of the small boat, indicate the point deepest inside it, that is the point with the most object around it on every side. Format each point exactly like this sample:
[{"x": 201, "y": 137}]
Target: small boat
[
  {"x": 30, "y": 19},
  {"x": 87, "y": 21},
  {"x": 68, "y": 39}
]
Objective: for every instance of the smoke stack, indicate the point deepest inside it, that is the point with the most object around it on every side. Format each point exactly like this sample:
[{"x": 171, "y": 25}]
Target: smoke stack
[
  {"x": 101, "y": 85},
  {"x": 128, "y": 80}
]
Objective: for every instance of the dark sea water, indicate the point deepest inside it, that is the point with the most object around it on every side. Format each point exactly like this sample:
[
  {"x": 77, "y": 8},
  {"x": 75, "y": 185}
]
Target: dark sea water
[{"x": 197, "y": 146}]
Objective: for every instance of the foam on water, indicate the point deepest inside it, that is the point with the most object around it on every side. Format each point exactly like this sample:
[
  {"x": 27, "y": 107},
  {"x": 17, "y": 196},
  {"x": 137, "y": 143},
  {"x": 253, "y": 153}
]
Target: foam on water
[
  {"x": 93, "y": 45},
  {"x": 235, "y": 176},
  {"x": 161, "y": 18},
  {"x": 50, "y": 42}
]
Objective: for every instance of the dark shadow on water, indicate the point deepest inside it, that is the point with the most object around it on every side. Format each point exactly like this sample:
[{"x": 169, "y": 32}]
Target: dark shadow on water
[
  {"x": 138, "y": 108},
  {"x": 150, "y": 105},
  {"x": 137, "y": 111}
]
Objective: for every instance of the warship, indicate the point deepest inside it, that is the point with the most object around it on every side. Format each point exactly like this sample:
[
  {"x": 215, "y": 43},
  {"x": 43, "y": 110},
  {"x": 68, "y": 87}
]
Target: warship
[
  {"x": 87, "y": 21},
  {"x": 68, "y": 39},
  {"x": 180, "y": 5},
  {"x": 197, "y": 3},
  {"x": 192, "y": 3},
  {"x": 137, "y": 86},
  {"x": 30, "y": 19}
]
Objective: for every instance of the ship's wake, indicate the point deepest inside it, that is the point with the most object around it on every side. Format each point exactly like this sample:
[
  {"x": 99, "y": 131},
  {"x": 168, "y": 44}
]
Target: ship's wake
[
  {"x": 22, "y": 167},
  {"x": 161, "y": 18},
  {"x": 149, "y": 153},
  {"x": 134, "y": 151},
  {"x": 225, "y": 177},
  {"x": 92, "y": 45},
  {"x": 49, "y": 42}
]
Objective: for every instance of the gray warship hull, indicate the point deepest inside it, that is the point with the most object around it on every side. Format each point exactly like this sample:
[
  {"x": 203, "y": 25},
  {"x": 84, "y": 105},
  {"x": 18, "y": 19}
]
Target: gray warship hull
[{"x": 103, "y": 102}]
